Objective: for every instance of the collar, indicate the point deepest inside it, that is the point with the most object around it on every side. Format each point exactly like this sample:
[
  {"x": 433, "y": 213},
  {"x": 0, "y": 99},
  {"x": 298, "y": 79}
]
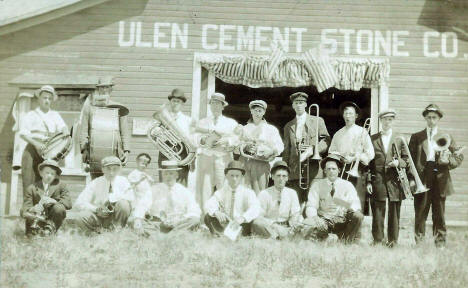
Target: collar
[
  {"x": 387, "y": 133},
  {"x": 330, "y": 183},
  {"x": 38, "y": 110},
  {"x": 434, "y": 130},
  {"x": 302, "y": 117},
  {"x": 45, "y": 186}
]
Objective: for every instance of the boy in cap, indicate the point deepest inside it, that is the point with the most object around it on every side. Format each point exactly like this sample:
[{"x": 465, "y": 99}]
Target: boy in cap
[
  {"x": 105, "y": 201},
  {"x": 281, "y": 212},
  {"x": 101, "y": 98},
  {"x": 384, "y": 184},
  {"x": 232, "y": 203},
  {"x": 212, "y": 159},
  {"x": 264, "y": 143},
  {"x": 298, "y": 134},
  {"x": 38, "y": 126},
  {"x": 173, "y": 207},
  {"x": 433, "y": 168},
  {"x": 333, "y": 205},
  {"x": 46, "y": 201}
]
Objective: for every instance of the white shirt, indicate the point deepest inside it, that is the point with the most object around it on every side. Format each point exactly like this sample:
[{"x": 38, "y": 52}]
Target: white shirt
[
  {"x": 353, "y": 140},
  {"x": 300, "y": 125},
  {"x": 245, "y": 205},
  {"x": 278, "y": 206},
  {"x": 264, "y": 133},
  {"x": 320, "y": 202},
  {"x": 96, "y": 193},
  {"x": 174, "y": 203},
  {"x": 386, "y": 139},
  {"x": 224, "y": 126},
  {"x": 183, "y": 121},
  {"x": 40, "y": 126},
  {"x": 430, "y": 147},
  {"x": 46, "y": 188},
  {"x": 141, "y": 184}
]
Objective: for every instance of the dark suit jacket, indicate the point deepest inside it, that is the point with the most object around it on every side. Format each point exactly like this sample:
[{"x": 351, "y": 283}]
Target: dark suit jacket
[
  {"x": 418, "y": 147},
  {"x": 385, "y": 179},
  {"x": 291, "y": 154},
  {"x": 57, "y": 190}
]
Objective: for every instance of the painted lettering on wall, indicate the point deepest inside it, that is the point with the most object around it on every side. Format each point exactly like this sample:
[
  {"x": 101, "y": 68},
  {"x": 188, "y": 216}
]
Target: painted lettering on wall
[{"x": 164, "y": 35}]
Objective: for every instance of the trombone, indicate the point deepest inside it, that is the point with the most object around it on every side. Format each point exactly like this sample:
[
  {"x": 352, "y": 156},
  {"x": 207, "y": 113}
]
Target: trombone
[
  {"x": 305, "y": 151},
  {"x": 354, "y": 171}
]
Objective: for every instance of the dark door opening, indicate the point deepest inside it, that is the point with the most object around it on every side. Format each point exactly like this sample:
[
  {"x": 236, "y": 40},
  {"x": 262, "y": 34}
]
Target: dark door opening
[{"x": 280, "y": 112}]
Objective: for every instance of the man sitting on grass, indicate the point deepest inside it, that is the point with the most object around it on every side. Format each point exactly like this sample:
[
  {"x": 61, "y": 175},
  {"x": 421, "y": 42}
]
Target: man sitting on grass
[
  {"x": 232, "y": 203},
  {"x": 174, "y": 206},
  {"x": 281, "y": 212},
  {"x": 105, "y": 202},
  {"x": 46, "y": 201},
  {"x": 333, "y": 205}
]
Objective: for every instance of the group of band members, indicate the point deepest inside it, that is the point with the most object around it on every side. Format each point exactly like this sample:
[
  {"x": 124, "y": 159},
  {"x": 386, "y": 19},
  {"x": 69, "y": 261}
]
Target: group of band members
[{"x": 236, "y": 192}]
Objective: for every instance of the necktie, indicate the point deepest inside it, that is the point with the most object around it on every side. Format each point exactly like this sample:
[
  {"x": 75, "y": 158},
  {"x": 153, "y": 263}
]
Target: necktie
[
  {"x": 231, "y": 211},
  {"x": 332, "y": 192},
  {"x": 430, "y": 134},
  {"x": 110, "y": 188}
]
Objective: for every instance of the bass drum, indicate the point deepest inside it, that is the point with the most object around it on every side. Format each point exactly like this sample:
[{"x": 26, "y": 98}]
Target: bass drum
[
  {"x": 104, "y": 137},
  {"x": 57, "y": 147}
]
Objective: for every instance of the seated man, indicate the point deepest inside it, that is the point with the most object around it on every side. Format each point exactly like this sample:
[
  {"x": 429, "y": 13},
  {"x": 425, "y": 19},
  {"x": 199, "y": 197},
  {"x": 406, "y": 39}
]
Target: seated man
[
  {"x": 46, "y": 201},
  {"x": 141, "y": 183},
  {"x": 281, "y": 212},
  {"x": 232, "y": 203},
  {"x": 174, "y": 206},
  {"x": 333, "y": 204},
  {"x": 105, "y": 201}
]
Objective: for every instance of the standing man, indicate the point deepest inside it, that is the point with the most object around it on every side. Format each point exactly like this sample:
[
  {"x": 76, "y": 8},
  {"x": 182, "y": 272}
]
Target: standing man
[
  {"x": 101, "y": 98},
  {"x": 433, "y": 168},
  {"x": 385, "y": 185},
  {"x": 298, "y": 133},
  {"x": 176, "y": 100},
  {"x": 214, "y": 156},
  {"x": 354, "y": 144}
]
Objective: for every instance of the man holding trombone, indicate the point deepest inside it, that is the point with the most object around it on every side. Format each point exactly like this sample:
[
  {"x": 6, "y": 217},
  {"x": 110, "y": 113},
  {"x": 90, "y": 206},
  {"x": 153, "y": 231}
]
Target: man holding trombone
[{"x": 354, "y": 143}]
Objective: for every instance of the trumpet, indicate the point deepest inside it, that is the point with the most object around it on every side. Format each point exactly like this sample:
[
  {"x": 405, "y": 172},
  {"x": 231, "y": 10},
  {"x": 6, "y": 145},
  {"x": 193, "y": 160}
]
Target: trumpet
[
  {"x": 420, "y": 188},
  {"x": 354, "y": 171},
  {"x": 305, "y": 151},
  {"x": 402, "y": 177}
]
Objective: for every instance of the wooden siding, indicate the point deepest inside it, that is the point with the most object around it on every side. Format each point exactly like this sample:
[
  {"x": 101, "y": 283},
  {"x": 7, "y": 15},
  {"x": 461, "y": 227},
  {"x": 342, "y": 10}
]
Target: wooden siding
[{"x": 87, "y": 42}]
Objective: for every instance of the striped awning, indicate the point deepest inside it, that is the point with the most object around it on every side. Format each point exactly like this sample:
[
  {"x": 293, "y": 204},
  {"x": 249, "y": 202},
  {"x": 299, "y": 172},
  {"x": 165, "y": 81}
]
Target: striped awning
[{"x": 310, "y": 68}]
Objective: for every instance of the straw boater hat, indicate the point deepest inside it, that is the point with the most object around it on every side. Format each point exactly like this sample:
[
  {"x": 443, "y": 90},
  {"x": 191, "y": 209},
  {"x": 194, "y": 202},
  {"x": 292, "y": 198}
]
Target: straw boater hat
[
  {"x": 52, "y": 164},
  {"x": 235, "y": 165},
  {"x": 258, "y": 103},
  {"x": 298, "y": 96},
  {"x": 169, "y": 165},
  {"x": 349, "y": 104},
  {"x": 279, "y": 164},
  {"x": 46, "y": 88},
  {"x": 433, "y": 108},
  {"x": 105, "y": 81},
  {"x": 178, "y": 94},
  {"x": 387, "y": 113},
  {"x": 332, "y": 156},
  {"x": 110, "y": 160},
  {"x": 219, "y": 97}
]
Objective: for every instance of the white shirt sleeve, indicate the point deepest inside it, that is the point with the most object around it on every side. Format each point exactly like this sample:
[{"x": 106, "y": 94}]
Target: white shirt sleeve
[
  {"x": 254, "y": 206},
  {"x": 369, "y": 153},
  {"x": 83, "y": 202},
  {"x": 313, "y": 200},
  {"x": 353, "y": 197},
  {"x": 193, "y": 210},
  {"x": 212, "y": 205},
  {"x": 295, "y": 207},
  {"x": 263, "y": 199},
  {"x": 276, "y": 139}
]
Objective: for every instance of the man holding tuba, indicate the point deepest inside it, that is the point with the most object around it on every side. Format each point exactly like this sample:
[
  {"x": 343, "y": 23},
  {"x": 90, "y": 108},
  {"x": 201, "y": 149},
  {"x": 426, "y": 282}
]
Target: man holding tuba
[
  {"x": 299, "y": 133},
  {"x": 385, "y": 184},
  {"x": 435, "y": 154}
]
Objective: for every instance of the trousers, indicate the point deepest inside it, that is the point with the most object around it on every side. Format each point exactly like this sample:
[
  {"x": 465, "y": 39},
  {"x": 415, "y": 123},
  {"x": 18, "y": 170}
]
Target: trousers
[
  {"x": 217, "y": 228},
  {"x": 378, "y": 219},
  {"x": 89, "y": 221},
  {"x": 55, "y": 214},
  {"x": 346, "y": 227},
  {"x": 29, "y": 166}
]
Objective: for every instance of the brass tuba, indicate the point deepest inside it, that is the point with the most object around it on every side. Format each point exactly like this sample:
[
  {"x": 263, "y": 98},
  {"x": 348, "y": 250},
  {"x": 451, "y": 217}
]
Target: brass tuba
[
  {"x": 420, "y": 188},
  {"x": 170, "y": 139}
]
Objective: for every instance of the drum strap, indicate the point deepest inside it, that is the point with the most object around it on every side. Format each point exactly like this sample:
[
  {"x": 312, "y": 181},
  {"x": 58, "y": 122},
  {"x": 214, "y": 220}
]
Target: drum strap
[{"x": 43, "y": 121}]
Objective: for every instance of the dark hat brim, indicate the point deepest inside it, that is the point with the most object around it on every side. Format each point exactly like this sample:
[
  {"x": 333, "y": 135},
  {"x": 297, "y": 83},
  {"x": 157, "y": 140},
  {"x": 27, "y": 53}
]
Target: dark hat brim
[
  {"x": 326, "y": 159},
  {"x": 424, "y": 113},
  {"x": 226, "y": 170},
  {"x": 349, "y": 104},
  {"x": 273, "y": 169},
  {"x": 183, "y": 98},
  {"x": 56, "y": 168}
]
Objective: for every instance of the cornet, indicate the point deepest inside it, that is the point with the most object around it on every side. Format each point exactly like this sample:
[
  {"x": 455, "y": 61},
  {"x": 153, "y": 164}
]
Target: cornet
[
  {"x": 305, "y": 151},
  {"x": 354, "y": 171}
]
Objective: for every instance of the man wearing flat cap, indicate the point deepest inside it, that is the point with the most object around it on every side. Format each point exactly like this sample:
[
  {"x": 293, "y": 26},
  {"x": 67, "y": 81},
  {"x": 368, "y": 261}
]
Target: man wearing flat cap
[
  {"x": 39, "y": 125},
  {"x": 333, "y": 205},
  {"x": 383, "y": 184},
  {"x": 177, "y": 99},
  {"x": 217, "y": 137},
  {"x": 354, "y": 144},
  {"x": 101, "y": 119},
  {"x": 300, "y": 133},
  {"x": 434, "y": 153},
  {"x": 264, "y": 143},
  {"x": 105, "y": 201},
  {"x": 46, "y": 201},
  {"x": 173, "y": 206},
  {"x": 281, "y": 212},
  {"x": 232, "y": 203}
]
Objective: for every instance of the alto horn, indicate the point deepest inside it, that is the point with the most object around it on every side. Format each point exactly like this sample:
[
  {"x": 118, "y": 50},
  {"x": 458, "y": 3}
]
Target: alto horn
[
  {"x": 420, "y": 188},
  {"x": 441, "y": 142},
  {"x": 354, "y": 171}
]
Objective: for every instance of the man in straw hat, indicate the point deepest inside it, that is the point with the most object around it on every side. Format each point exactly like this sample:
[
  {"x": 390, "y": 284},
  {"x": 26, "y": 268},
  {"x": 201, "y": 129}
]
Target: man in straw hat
[
  {"x": 281, "y": 212},
  {"x": 433, "y": 168},
  {"x": 233, "y": 203},
  {"x": 384, "y": 184},
  {"x": 101, "y": 98},
  {"x": 333, "y": 205},
  {"x": 174, "y": 207},
  {"x": 39, "y": 125},
  {"x": 214, "y": 156},
  {"x": 46, "y": 201},
  {"x": 105, "y": 201}
]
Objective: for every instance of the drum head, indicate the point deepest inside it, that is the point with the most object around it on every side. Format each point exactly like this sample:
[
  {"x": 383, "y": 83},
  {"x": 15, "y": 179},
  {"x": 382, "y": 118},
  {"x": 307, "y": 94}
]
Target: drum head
[{"x": 57, "y": 147}]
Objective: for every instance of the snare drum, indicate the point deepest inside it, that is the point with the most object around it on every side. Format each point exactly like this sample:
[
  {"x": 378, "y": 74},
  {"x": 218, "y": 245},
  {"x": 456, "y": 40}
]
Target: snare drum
[{"x": 57, "y": 147}]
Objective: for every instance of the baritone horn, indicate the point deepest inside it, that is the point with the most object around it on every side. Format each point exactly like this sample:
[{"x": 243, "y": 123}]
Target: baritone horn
[
  {"x": 354, "y": 171},
  {"x": 420, "y": 188},
  {"x": 169, "y": 138},
  {"x": 305, "y": 151}
]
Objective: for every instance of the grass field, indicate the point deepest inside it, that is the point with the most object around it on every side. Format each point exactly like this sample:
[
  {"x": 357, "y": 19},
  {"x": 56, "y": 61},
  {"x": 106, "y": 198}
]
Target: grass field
[{"x": 197, "y": 260}]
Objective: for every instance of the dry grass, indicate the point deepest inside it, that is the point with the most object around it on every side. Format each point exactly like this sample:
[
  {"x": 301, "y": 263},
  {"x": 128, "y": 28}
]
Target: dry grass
[{"x": 196, "y": 260}]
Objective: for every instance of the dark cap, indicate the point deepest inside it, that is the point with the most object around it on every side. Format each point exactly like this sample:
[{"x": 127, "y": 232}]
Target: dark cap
[
  {"x": 235, "y": 165},
  {"x": 110, "y": 160},
  {"x": 298, "y": 96},
  {"x": 279, "y": 164},
  {"x": 332, "y": 156},
  {"x": 258, "y": 103},
  {"x": 178, "y": 94},
  {"x": 387, "y": 113},
  {"x": 52, "y": 164},
  {"x": 349, "y": 104},
  {"x": 433, "y": 108}
]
